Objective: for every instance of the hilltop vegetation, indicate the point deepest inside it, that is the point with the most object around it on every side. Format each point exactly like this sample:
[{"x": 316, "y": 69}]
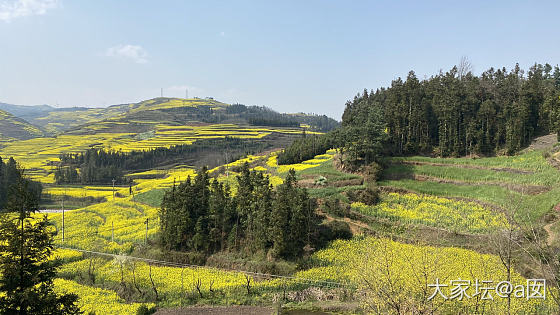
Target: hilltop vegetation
[
  {"x": 457, "y": 113},
  {"x": 450, "y": 114},
  {"x": 140, "y": 117}
]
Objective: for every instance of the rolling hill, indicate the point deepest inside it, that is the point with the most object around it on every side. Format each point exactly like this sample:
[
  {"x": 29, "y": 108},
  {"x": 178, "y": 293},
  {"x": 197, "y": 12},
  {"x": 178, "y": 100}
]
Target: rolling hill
[
  {"x": 158, "y": 123},
  {"x": 12, "y": 127},
  {"x": 142, "y": 116}
]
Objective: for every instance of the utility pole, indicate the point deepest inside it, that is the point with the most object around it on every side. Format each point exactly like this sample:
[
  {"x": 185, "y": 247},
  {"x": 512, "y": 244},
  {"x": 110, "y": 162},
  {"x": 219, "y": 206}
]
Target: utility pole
[
  {"x": 112, "y": 231},
  {"x": 146, "y": 237},
  {"x": 227, "y": 168},
  {"x": 63, "y": 215},
  {"x": 161, "y": 92},
  {"x": 113, "y": 180},
  {"x": 186, "y": 93}
]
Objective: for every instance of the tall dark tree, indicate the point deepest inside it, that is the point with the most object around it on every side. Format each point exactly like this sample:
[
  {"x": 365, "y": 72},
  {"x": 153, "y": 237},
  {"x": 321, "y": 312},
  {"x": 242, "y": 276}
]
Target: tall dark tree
[
  {"x": 26, "y": 272},
  {"x": 10, "y": 174},
  {"x": 203, "y": 216}
]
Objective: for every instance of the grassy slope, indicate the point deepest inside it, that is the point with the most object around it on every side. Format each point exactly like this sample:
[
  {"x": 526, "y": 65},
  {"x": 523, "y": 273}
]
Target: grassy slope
[
  {"x": 12, "y": 127},
  {"x": 524, "y": 170}
]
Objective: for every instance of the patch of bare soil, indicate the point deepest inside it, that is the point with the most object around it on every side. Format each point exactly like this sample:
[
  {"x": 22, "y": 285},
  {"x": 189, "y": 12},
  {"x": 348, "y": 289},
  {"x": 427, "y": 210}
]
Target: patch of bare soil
[
  {"x": 552, "y": 235},
  {"x": 476, "y": 167},
  {"x": 555, "y": 160},
  {"x": 398, "y": 190},
  {"x": 544, "y": 142},
  {"x": 215, "y": 310},
  {"x": 347, "y": 182},
  {"x": 523, "y": 189},
  {"x": 308, "y": 182},
  {"x": 356, "y": 226}
]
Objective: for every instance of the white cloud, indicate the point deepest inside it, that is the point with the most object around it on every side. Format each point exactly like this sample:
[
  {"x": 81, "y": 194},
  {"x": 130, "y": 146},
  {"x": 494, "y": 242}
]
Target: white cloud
[
  {"x": 14, "y": 9},
  {"x": 223, "y": 33},
  {"x": 131, "y": 52}
]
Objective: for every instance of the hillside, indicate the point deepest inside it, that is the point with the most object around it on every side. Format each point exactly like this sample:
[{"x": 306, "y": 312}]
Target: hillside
[
  {"x": 160, "y": 123},
  {"x": 56, "y": 120},
  {"x": 27, "y": 112},
  {"x": 12, "y": 127},
  {"x": 288, "y": 214},
  {"x": 446, "y": 230},
  {"x": 145, "y": 116},
  {"x": 141, "y": 116}
]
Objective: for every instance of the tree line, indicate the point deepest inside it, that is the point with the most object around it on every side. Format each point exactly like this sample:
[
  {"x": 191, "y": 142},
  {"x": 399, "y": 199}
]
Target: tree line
[
  {"x": 361, "y": 142},
  {"x": 457, "y": 113},
  {"x": 306, "y": 148},
  {"x": 450, "y": 114},
  {"x": 203, "y": 215},
  {"x": 264, "y": 116},
  {"x": 102, "y": 166}
]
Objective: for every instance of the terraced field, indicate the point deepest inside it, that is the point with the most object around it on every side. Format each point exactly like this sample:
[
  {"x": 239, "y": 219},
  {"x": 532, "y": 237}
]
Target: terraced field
[
  {"x": 424, "y": 203},
  {"x": 38, "y": 155},
  {"x": 526, "y": 183},
  {"x": 120, "y": 226}
]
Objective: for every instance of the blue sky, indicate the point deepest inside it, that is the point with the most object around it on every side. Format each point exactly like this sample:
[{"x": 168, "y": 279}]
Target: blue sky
[{"x": 293, "y": 56}]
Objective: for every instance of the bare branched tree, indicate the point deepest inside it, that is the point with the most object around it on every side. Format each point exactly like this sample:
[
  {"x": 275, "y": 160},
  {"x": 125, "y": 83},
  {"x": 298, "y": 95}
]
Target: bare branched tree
[
  {"x": 464, "y": 67},
  {"x": 504, "y": 241}
]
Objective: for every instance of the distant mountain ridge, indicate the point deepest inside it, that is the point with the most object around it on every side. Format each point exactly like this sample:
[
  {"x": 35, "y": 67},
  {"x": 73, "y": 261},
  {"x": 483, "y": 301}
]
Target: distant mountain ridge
[{"x": 26, "y": 111}]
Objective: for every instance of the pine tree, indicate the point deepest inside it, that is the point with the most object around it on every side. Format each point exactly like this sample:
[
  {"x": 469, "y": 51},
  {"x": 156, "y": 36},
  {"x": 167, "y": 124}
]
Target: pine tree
[{"x": 26, "y": 273}]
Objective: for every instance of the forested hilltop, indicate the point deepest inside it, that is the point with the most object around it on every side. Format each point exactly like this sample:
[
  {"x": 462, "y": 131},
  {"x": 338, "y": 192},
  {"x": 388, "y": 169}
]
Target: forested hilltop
[{"x": 456, "y": 113}]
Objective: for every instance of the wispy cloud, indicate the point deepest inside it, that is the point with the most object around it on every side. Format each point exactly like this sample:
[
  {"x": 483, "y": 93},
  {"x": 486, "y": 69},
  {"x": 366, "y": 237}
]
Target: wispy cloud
[
  {"x": 131, "y": 52},
  {"x": 14, "y": 9}
]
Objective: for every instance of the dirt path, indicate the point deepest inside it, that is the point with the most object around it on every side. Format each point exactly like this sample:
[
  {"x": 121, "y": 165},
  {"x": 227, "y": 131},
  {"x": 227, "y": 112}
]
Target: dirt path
[
  {"x": 215, "y": 310},
  {"x": 552, "y": 237}
]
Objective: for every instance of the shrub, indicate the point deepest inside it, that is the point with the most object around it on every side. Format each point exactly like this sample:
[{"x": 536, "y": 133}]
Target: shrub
[
  {"x": 372, "y": 172},
  {"x": 335, "y": 207},
  {"x": 144, "y": 310},
  {"x": 368, "y": 196}
]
